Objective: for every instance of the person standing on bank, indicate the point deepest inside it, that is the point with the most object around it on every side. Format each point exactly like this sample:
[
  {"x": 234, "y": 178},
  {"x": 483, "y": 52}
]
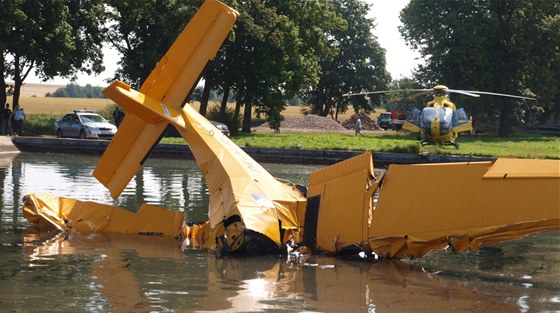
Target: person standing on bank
[
  {"x": 358, "y": 127},
  {"x": 18, "y": 117},
  {"x": 118, "y": 115},
  {"x": 6, "y": 115}
]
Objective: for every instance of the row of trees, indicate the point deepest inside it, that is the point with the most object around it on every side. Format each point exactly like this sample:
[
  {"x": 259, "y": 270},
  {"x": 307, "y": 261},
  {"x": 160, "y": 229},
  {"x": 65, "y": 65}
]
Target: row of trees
[
  {"x": 77, "y": 91},
  {"x": 317, "y": 49}
]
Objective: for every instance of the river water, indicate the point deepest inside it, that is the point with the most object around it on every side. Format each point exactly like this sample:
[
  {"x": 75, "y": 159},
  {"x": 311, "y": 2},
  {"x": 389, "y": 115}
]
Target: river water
[{"x": 50, "y": 272}]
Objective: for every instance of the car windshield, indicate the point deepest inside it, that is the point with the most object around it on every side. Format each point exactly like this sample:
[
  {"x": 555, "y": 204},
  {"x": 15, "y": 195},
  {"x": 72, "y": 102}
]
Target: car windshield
[{"x": 92, "y": 118}]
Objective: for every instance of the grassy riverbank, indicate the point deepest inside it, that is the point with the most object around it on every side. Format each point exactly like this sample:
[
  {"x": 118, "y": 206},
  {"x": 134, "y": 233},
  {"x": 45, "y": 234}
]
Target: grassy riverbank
[{"x": 526, "y": 145}]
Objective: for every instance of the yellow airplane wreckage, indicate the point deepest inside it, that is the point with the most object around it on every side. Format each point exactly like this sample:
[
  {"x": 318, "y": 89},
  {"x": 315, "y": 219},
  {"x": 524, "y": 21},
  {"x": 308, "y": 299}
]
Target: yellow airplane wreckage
[{"x": 405, "y": 213}]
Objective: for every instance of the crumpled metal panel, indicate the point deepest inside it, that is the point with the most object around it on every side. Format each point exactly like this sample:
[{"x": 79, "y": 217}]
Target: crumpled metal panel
[
  {"x": 344, "y": 202},
  {"x": 85, "y": 216},
  {"x": 427, "y": 207}
]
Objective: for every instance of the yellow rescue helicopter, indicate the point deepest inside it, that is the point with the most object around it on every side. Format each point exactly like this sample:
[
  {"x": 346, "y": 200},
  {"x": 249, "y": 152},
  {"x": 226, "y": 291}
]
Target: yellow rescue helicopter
[{"x": 440, "y": 122}]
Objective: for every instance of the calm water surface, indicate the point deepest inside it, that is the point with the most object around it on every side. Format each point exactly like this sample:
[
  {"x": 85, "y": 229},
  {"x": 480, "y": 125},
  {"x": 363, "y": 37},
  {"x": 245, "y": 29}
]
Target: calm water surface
[{"x": 49, "y": 272}]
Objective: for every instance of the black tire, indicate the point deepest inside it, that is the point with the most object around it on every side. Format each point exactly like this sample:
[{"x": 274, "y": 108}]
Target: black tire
[
  {"x": 82, "y": 134},
  {"x": 59, "y": 133}
]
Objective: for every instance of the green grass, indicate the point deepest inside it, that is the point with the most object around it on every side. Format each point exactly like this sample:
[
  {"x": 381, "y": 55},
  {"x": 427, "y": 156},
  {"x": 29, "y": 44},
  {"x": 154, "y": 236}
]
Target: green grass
[{"x": 524, "y": 145}]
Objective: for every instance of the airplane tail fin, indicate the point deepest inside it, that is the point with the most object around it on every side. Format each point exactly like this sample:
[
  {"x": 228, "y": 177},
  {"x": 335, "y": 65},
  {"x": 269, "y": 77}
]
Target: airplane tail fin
[{"x": 169, "y": 83}]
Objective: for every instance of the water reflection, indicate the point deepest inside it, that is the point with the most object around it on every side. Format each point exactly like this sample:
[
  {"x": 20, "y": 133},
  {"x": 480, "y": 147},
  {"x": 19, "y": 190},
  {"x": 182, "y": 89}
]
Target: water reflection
[
  {"x": 42, "y": 270},
  {"x": 134, "y": 273},
  {"x": 170, "y": 183}
]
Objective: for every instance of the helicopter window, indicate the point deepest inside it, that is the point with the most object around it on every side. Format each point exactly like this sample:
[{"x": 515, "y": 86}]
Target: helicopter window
[
  {"x": 414, "y": 117},
  {"x": 428, "y": 114},
  {"x": 446, "y": 117},
  {"x": 460, "y": 117}
]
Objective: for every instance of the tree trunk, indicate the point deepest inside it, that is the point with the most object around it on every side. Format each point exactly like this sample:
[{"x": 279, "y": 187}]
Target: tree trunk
[
  {"x": 326, "y": 110},
  {"x": 19, "y": 77},
  {"x": 3, "y": 94},
  {"x": 223, "y": 105},
  {"x": 506, "y": 114},
  {"x": 246, "y": 124},
  {"x": 318, "y": 104},
  {"x": 237, "y": 111},
  {"x": 17, "y": 83},
  {"x": 206, "y": 92},
  {"x": 3, "y": 85}
]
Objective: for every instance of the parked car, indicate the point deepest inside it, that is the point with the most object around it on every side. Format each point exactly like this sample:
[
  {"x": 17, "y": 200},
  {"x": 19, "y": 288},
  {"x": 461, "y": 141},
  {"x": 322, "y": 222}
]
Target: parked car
[
  {"x": 221, "y": 127},
  {"x": 384, "y": 120},
  {"x": 84, "y": 124},
  {"x": 172, "y": 131}
]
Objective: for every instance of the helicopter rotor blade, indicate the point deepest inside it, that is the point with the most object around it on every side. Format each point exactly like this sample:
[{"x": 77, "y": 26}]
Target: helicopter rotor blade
[
  {"x": 384, "y": 91},
  {"x": 500, "y": 94},
  {"x": 422, "y": 93},
  {"x": 464, "y": 92}
]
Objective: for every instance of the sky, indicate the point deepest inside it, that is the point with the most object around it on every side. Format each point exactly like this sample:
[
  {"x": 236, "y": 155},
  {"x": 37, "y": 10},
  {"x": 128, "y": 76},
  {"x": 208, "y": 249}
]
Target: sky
[{"x": 401, "y": 60}]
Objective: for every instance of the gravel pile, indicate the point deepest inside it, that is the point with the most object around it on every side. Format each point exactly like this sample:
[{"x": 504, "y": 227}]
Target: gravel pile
[
  {"x": 309, "y": 121},
  {"x": 367, "y": 122}
]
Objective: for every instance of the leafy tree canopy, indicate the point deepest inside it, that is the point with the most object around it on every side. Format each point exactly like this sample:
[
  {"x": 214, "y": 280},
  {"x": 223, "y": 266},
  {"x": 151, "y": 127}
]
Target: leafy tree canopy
[
  {"x": 143, "y": 30},
  {"x": 358, "y": 64},
  {"x": 51, "y": 37}
]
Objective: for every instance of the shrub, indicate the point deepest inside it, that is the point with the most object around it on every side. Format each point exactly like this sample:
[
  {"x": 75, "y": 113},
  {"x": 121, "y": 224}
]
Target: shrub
[{"x": 39, "y": 124}]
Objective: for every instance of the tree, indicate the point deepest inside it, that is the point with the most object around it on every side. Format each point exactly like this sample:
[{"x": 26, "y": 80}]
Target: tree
[
  {"x": 273, "y": 55},
  {"x": 491, "y": 45},
  {"x": 51, "y": 37},
  {"x": 403, "y": 97},
  {"x": 357, "y": 65},
  {"x": 142, "y": 31}
]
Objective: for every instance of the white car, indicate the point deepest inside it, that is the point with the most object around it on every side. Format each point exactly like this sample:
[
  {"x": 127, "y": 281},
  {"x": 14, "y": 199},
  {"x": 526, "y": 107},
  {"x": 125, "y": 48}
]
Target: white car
[
  {"x": 221, "y": 127},
  {"x": 84, "y": 124}
]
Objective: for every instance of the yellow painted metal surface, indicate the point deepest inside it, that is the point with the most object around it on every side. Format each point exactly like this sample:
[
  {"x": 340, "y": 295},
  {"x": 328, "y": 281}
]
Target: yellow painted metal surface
[
  {"x": 87, "y": 217},
  {"x": 171, "y": 80},
  {"x": 524, "y": 168},
  {"x": 238, "y": 185},
  {"x": 467, "y": 127},
  {"x": 345, "y": 202},
  {"x": 427, "y": 207},
  {"x": 411, "y": 127}
]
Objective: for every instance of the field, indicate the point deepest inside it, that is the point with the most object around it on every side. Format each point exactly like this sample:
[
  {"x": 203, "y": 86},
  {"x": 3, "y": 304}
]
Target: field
[
  {"x": 59, "y": 106},
  {"x": 50, "y": 105},
  {"x": 38, "y": 90}
]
